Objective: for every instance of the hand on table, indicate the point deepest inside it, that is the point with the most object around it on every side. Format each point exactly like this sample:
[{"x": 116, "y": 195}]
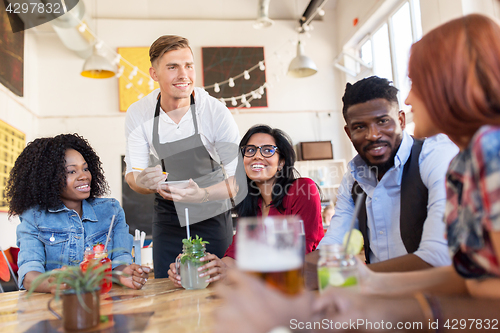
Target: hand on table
[
  {"x": 174, "y": 276},
  {"x": 192, "y": 193},
  {"x": 134, "y": 276},
  {"x": 52, "y": 282},
  {"x": 252, "y": 307},
  {"x": 150, "y": 178}
]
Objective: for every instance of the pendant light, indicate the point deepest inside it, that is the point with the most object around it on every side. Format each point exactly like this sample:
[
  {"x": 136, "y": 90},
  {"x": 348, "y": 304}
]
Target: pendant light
[
  {"x": 301, "y": 65},
  {"x": 98, "y": 67}
]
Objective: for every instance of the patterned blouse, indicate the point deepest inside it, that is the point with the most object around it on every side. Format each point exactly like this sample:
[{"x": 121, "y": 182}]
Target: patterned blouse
[{"x": 473, "y": 205}]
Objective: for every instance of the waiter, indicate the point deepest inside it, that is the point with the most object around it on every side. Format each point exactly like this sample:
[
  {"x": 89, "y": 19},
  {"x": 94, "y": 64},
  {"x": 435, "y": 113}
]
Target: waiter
[{"x": 195, "y": 138}]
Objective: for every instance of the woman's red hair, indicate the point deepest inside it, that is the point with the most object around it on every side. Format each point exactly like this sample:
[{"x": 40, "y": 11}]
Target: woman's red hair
[{"x": 455, "y": 71}]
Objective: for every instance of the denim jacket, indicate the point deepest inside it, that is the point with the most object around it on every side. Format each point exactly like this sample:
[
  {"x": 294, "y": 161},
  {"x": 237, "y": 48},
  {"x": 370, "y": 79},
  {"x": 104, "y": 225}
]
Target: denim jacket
[{"x": 53, "y": 238}]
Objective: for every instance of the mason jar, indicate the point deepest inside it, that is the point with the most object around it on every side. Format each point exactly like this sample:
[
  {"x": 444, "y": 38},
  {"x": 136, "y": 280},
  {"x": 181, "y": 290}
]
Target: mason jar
[
  {"x": 187, "y": 265},
  {"x": 336, "y": 268}
]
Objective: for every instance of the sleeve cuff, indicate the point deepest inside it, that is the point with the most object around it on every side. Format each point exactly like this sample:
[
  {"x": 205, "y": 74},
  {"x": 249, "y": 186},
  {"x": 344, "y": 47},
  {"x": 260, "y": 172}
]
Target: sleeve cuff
[{"x": 28, "y": 267}]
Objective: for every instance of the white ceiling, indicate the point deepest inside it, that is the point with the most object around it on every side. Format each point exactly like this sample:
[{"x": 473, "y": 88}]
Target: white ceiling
[{"x": 197, "y": 9}]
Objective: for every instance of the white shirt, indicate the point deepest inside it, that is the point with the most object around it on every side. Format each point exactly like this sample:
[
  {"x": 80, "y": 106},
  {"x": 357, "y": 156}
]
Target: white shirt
[
  {"x": 383, "y": 203},
  {"x": 215, "y": 125}
]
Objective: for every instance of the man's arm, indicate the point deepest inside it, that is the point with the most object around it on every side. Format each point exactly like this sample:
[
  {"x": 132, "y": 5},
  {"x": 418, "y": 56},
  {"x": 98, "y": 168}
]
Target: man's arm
[{"x": 406, "y": 263}]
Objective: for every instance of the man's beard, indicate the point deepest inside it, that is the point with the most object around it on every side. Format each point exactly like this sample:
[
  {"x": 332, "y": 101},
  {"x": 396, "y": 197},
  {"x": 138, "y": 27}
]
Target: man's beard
[{"x": 382, "y": 168}]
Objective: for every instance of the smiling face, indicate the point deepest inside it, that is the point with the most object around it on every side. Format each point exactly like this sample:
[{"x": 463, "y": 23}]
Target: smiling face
[
  {"x": 258, "y": 168},
  {"x": 376, "y": 130},
  {"x": 175, "y": 74},
  {"x": 78, "y": 179}
]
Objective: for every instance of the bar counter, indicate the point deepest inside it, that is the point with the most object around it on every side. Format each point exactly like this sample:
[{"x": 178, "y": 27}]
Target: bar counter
[{"x": 158, "y": 307}]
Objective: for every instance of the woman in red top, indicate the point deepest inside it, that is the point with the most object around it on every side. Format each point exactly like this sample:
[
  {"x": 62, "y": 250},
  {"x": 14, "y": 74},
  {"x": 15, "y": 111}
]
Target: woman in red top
[{"x": 273, "y": 189}]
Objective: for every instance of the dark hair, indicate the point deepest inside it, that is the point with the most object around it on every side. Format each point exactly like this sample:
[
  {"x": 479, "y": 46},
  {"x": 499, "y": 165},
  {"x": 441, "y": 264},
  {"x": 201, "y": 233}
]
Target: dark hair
[
  {"x": 39, "y": 174},
  {"x": 455, "y": 71},
  {"x": 288, "y": 174},
  {"x": 165, "y": 44},
  {"x": 367, "y": 89}
]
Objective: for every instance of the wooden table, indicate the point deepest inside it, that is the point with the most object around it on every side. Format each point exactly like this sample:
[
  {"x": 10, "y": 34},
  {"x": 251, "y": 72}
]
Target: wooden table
[{"x": 158, "y": 307}]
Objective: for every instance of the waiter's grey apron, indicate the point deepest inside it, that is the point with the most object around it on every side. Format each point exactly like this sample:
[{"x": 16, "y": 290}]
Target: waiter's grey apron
[{"x": 184, "y": 159}]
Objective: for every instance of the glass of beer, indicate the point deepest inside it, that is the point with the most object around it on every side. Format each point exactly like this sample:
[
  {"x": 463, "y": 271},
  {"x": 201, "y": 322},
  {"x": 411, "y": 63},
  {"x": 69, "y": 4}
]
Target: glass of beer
[{"x": 271, "y": 248}]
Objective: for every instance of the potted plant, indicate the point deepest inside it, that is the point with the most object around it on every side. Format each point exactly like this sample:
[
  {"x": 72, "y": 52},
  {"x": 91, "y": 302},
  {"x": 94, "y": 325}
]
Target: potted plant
[{"x": 79, "y": 290}]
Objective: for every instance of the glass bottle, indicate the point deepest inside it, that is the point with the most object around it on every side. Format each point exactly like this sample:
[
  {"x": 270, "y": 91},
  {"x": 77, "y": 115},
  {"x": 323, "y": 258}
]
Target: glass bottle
[
  {"x": 336, "y": 268},
  {"x": 187, "y": 265},
  {"x": 102, "y": 257}
]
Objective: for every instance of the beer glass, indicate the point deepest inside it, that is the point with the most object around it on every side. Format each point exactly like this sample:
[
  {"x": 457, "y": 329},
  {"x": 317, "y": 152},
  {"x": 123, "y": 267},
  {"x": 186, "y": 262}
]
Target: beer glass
[{"x": 271, "y": 248}]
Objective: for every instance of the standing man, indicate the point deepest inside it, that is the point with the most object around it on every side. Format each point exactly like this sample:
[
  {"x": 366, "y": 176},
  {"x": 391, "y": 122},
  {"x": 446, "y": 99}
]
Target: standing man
[
  {"x": 196, "y": 139},
  {"x": 404, "y": 181}
]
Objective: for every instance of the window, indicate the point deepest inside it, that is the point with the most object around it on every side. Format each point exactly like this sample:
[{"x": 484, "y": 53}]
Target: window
[{"x": 387, "y": 49}]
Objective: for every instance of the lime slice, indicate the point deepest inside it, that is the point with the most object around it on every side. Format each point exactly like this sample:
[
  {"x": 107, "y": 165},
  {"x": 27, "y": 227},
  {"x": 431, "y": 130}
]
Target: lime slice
[
  {"x": 336, "y": 278},
  {"x": 350, "y": 281},
  {"x": 356, "y": 242},
  {"x": 323, "y": 277}
]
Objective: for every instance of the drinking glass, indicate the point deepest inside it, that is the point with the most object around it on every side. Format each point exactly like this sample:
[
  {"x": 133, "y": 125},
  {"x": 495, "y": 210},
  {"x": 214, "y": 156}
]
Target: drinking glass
[{"x": 272, "y": 249}]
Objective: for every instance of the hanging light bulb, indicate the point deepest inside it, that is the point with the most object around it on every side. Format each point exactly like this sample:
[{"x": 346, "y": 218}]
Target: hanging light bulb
[
  {"x": 247, "y": 105},
  {"x": 116, "y": 61},
  {"x": 321, "y": 12},
  {"x": 82, "y": 27},
  {"x": 243, "y": 98},
  {"x": 259, "y": 96},
  {"x": 151, "y": 84},
  {"x": 129, "y": 85},
  {"x": 233, "y": 101},
  {"x": 120, "y": 71},
  {"x": 261, "y": 90},
  {"x": 131, "y": 75},
  {"x": 140, "y": 82},
  {"x": 223, "y": 101},
  {"x": 216, "y": 88},
  {"x": 141, "y": 95},
  {"x": 231, "y": 82},
  {"x": 261, "y": 65},
  {"x": 99, "y": 44},
  {"x": 254, "y": 94},
  {"x": 246, "y": 75}
]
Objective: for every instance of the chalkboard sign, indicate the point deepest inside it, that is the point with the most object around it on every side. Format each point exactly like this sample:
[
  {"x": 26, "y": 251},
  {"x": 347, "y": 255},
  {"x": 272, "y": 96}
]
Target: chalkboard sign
[{"x": 138, "y": 207}]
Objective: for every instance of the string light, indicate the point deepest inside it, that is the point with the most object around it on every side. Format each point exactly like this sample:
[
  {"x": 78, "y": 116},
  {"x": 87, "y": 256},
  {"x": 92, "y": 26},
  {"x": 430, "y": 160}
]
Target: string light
[
  {"x": 246, "y": 75},
  {"x": 140, "y": 81},
  {"x": 141, "y": 95},
  {"x": 82, "y": 27},
  {"x": 216, "y": 88},
  {"x": 243, "y": 98},
  {"x": 129, "y": 85},
  {"x": 231, "y": 82},
  {"x": 261, "y": 65},
  {"x": 233, "y": 101}
]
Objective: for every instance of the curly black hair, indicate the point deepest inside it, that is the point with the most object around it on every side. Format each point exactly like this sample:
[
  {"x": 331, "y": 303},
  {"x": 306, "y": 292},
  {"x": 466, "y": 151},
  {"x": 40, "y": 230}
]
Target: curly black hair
[
  {"x": 39, "y": 174},
  {"x": 365, "y": 90}
]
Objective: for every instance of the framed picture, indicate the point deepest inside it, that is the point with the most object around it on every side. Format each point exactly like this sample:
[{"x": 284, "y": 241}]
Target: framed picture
[
  {"x": 11, "y": 51},
  {"x": 12, "y": 142},
  {"x": 222, "y": 63}
]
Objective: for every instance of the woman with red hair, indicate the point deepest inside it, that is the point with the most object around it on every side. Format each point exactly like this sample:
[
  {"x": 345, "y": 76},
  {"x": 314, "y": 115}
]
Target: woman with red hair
[{"x": 455, "y": 73}]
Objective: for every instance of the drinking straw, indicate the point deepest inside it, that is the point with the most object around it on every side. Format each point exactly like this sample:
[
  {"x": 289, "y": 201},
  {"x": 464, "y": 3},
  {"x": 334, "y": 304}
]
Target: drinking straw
[
  {"x": 109, "y": 232},
  {"x": 357, "y": 208},
  {"x": 187, "y": 223}
]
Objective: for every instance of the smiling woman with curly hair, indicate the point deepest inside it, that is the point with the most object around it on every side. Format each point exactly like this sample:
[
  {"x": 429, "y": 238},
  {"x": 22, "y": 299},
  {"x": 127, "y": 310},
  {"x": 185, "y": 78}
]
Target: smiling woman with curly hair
[{"x": 55, "y": 187}]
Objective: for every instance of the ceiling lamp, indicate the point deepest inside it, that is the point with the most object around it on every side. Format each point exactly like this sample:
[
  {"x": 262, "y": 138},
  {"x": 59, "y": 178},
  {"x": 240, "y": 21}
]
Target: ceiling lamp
[
  {"x": 263, "y": 20},
  {"x": 301, "y": 65},
  {"x": 98, "y": 67}
]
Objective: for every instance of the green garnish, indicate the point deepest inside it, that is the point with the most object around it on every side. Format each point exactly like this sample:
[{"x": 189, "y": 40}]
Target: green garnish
[{"x": 194, "y": 249}]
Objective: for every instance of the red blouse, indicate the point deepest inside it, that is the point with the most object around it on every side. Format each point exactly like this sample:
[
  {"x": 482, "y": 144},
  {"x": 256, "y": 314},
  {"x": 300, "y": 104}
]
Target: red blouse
[{"x": 302, "y": 199}]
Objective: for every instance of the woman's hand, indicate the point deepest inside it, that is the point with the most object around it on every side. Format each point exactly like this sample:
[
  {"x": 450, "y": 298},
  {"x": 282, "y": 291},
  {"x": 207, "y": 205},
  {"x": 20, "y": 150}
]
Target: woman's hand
[
  {"x": 150, "y": 178},
  {"x": 217, "y": 269},
  {"x": 174, "y": 276},
  {"x": 134, "y": 276},
  {"x": 192, "y": 193}
]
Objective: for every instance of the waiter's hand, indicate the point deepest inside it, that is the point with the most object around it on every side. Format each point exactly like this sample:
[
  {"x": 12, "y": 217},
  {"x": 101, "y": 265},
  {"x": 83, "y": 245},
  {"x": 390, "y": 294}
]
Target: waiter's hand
[
  {"x": 192, "y": 193},
  {"x": 150, "y": 178}
]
